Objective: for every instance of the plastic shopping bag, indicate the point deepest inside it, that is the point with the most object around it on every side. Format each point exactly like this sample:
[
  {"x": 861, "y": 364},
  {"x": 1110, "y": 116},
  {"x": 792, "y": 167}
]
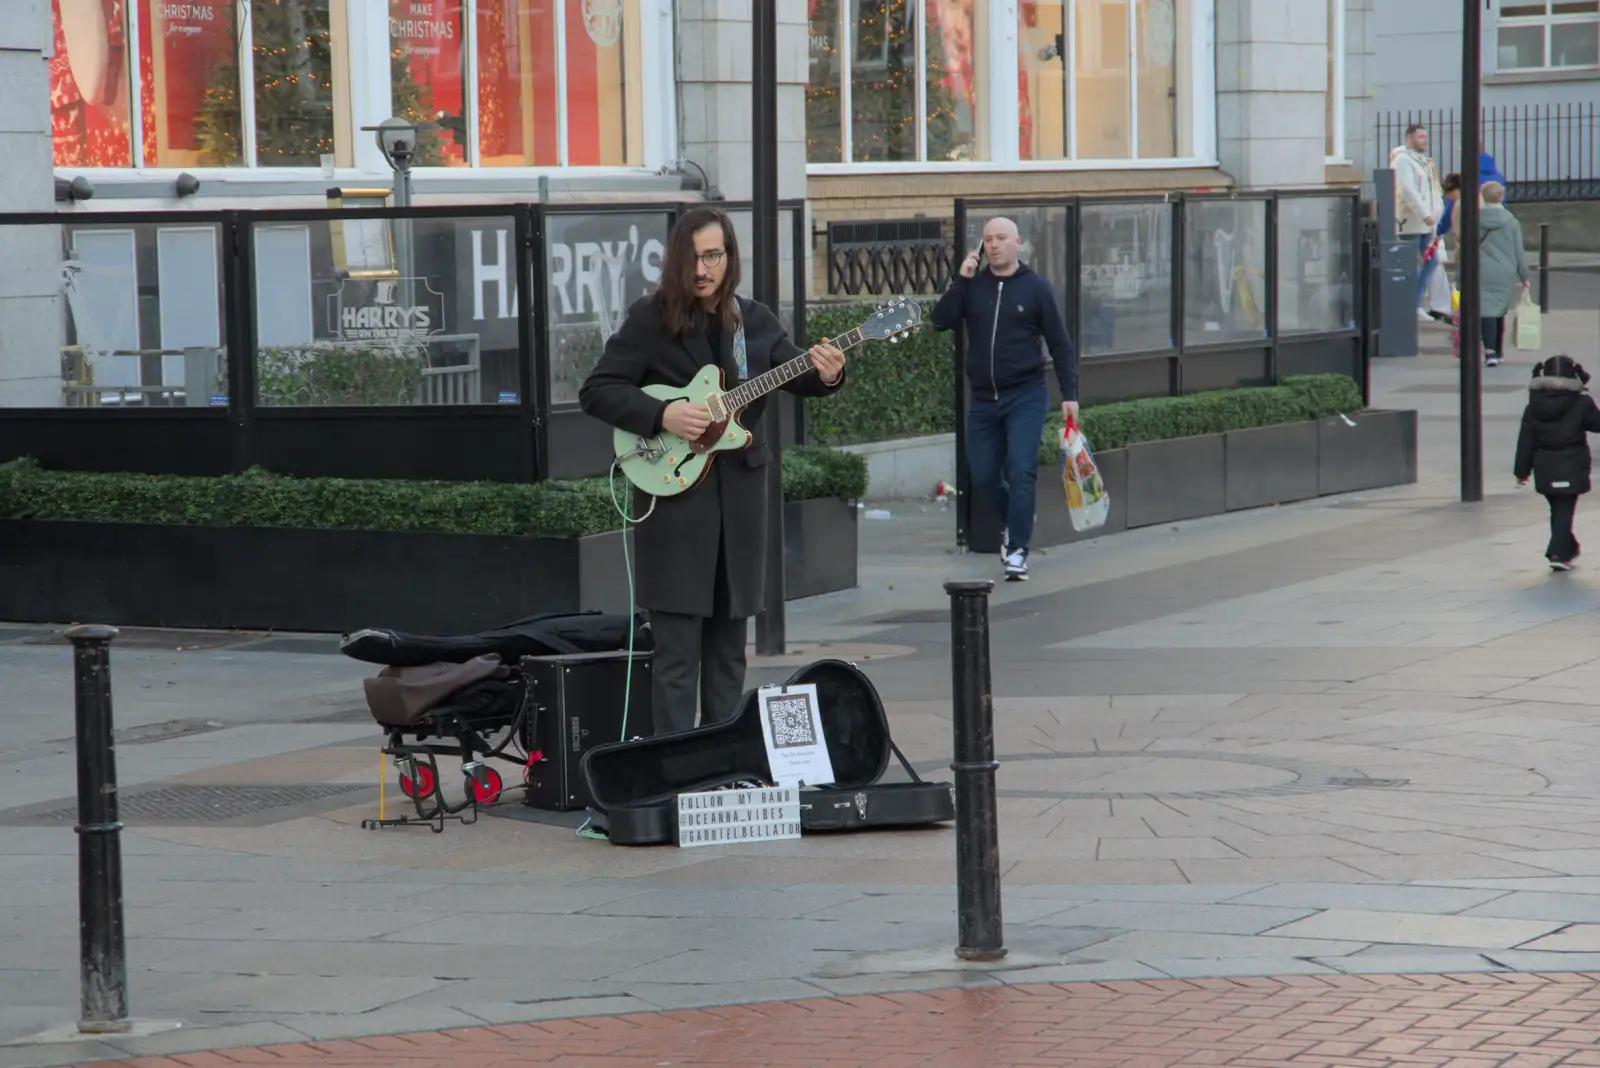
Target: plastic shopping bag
[
  {"x": 1087, "y": 501},
  {"x": 1525, "y": 324}
]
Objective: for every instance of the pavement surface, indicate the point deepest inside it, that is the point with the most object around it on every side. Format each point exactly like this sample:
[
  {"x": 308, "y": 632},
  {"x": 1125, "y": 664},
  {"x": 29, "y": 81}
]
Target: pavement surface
[{"x": 1338, "y": 760}]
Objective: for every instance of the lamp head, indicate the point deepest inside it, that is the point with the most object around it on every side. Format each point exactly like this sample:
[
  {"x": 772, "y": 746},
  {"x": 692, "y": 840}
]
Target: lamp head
[{"x": 397, "y": 139}]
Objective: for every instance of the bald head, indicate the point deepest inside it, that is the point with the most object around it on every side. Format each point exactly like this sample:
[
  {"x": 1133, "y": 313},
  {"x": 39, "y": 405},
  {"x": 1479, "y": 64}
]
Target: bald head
[{"x": 1002, "y": 245}]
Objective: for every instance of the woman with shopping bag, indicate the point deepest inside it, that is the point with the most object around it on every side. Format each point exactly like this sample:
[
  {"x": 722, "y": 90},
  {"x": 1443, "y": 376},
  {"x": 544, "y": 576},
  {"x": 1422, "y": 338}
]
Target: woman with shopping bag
[{"x": 1503, "y": 276}]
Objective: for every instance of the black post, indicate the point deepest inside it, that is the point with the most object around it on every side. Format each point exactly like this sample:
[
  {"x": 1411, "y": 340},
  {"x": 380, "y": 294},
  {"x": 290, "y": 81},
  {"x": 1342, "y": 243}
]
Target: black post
[
  {"x": 977, "y": 818},
  {"x": 1544, "y": 267},
  {"x": 764, "y": 284},
  {"x": 102, "y": 960},
  {"x": 1471, "y": 302}
]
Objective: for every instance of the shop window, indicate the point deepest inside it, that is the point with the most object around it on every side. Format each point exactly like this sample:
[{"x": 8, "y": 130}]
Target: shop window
[
  {"x": 188, "y": 79},
  {"x": 522, "y": 97},
  {"x": 895, "y": 81},
  {"x": 89, "y": 105},
  {"x": 293, "y": 82},
  {"x": 1103, "y": 79},
  {"x": 427, "y": 50}
]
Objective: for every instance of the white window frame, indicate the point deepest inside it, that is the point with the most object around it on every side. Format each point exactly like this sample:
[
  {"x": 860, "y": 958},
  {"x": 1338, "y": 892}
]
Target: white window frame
[
  {"x": 1548, "y": 22},
  {"x": 1002, "y": 106},
  {"x": 367, "y": 100},
  {"x": 1339, "y": 12}
]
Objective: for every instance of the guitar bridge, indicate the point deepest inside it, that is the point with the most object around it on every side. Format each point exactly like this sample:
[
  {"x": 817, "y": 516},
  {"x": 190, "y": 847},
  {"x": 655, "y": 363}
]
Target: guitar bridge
[{"x": 650, "y": 449}]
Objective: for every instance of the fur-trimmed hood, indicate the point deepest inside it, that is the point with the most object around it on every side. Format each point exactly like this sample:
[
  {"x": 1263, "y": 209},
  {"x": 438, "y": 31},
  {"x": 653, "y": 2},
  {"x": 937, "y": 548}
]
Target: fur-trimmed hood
[{"x": 1549, "y": 382}]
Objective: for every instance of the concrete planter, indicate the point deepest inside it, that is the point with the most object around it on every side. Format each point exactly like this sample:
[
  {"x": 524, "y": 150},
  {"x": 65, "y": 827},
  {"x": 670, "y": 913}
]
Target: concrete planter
[
  {"x": 335, "y": 581},
  {"x": 1189, "y": 478}
]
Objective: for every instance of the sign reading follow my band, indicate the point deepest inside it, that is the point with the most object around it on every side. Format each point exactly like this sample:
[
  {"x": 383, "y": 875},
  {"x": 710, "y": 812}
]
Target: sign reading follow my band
[
  {"x": 791, "y": 725},
  {"x": 729, "y": 817}
]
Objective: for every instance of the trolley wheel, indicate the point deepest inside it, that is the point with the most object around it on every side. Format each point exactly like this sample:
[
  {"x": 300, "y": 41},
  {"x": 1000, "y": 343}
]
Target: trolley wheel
[
  {"x": 422, "y": 787},
  {"x": 487, "y": 795}
]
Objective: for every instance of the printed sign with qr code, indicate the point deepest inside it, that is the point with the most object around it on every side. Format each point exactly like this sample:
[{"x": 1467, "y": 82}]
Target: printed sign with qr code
[
  {"x": 791, "y": 721},
  {"x": 792, "y": 728}
]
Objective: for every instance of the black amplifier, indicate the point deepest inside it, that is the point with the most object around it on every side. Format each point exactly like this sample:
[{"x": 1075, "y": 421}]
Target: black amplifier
[{"x": 576, "y": 703}]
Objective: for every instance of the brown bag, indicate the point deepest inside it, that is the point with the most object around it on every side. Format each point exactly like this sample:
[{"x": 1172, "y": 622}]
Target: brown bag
[{"x": 402, "y": 697}]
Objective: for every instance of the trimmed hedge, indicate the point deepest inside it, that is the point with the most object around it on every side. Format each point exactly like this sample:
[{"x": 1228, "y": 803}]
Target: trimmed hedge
[
  {"x": 904, "y": 390},
  {"x": 907, "y": 390},
  {"x": 1295, "y": 399},
  {"x": 258, "y": 499}
]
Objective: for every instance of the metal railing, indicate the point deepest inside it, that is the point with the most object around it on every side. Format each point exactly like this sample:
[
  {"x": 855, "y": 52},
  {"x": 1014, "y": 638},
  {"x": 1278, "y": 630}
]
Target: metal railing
[
  {"x": 888, "y": 257},
  {"x": 1548, "y": 152}
]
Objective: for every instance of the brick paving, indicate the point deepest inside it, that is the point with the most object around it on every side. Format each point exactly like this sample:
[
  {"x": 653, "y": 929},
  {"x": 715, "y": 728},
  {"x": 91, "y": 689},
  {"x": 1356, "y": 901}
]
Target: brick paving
[{"x": 1501, "y": 1020}]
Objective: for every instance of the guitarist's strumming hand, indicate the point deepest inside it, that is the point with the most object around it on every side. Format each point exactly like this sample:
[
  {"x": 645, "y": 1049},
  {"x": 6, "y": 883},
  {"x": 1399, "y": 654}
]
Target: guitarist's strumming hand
[
  {"x": 686, "y": 420},
  {"x": 828, "y": 361}
]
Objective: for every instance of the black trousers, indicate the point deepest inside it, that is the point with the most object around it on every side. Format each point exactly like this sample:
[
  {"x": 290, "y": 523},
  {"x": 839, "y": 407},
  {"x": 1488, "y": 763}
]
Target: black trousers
[
  {"x": 697, "y": 657},
  {"x": 1494, "y": 335},
  {"x": 1563, "y": 545}
]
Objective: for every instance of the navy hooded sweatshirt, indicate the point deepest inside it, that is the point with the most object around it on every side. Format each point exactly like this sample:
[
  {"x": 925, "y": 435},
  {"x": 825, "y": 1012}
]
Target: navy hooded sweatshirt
[{"x": 1005, "y": 320}]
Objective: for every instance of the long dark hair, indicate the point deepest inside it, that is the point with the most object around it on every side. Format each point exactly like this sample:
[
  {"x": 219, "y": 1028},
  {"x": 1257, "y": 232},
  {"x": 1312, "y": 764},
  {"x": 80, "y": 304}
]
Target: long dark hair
[{"x": 680, "y": 305}]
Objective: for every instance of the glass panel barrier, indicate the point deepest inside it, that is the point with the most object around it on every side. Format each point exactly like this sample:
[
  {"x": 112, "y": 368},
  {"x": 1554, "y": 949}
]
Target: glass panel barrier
[
  {"x": 1224, "y": 271},
  {"x": 1316, "y": 264},
  {"x": 112, "y": 315},
  {"x": 385, "y": 312},
  {"x": 1126, "y": 289}
]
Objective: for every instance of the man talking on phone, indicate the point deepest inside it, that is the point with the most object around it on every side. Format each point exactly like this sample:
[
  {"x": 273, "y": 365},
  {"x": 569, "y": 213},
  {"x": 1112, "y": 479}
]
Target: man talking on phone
[{"x": 1007, "y": 310}]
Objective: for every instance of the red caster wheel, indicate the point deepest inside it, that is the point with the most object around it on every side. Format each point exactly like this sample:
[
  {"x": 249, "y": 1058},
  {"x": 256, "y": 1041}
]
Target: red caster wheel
[
  {"x": 486, "y": 794},
  {"x": 422, "y": 786}
]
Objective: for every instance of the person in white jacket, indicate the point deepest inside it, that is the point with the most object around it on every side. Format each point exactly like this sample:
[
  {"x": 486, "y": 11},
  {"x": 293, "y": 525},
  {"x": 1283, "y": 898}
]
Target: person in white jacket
[{"x": 1419, "y": 203}]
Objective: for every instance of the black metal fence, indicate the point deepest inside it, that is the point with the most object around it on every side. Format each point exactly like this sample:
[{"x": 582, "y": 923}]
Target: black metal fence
[
  {"x": 891, "y": 256},
  {"x": 423, "y": 343},
  {"x": 1191, "y": 292},
  {"x": 1547, "y": 152}
]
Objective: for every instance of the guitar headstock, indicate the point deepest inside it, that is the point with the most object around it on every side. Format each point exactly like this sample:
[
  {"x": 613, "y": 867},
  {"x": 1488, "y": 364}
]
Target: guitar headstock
[{"x": 892, "y": 321}]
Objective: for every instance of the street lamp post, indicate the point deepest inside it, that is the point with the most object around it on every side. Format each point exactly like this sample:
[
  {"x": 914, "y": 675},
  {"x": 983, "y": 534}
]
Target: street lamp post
[
  {"x": 397, "y": 140},
  {"x": 770, "y": 640},
  {"x": 1471, "y": 299}
]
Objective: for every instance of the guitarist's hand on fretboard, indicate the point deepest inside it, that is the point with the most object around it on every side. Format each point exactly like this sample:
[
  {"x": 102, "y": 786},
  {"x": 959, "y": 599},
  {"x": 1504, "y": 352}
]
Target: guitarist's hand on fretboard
[{"x": 829, "y": 362}]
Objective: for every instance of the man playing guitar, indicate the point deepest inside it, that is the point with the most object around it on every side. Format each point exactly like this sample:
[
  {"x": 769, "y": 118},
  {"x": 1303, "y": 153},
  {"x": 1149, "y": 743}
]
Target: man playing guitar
[{"x": 700, "y": 557}]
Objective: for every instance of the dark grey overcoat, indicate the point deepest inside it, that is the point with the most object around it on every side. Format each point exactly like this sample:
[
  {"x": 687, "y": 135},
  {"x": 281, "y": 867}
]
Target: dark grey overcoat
[{"x": 675, "y": 550}]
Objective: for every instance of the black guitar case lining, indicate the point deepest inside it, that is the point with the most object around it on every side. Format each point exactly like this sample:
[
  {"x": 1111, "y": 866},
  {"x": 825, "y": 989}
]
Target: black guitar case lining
[
  {"x": 635, "y": 784},
  {"x": 551, "y": 634}
]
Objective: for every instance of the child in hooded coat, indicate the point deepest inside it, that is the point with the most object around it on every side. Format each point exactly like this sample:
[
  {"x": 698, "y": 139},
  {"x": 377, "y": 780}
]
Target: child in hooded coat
[{"x": 1553, "y": 447}]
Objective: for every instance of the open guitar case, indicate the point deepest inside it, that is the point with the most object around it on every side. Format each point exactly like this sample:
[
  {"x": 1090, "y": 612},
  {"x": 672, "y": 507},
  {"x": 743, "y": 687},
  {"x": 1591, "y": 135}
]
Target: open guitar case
[{"x": 635, "y": 784}]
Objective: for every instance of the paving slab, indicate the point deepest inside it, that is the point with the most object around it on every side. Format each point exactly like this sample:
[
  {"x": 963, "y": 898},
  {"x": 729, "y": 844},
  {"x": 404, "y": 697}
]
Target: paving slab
[{"x": 1416, "y": 928}]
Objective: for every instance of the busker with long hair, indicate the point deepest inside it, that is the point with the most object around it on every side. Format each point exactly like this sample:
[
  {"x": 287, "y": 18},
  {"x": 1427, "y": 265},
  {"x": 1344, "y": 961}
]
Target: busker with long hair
[
  {"x": 1553, "y": 447},
  {"x": 700, "y": 557}
]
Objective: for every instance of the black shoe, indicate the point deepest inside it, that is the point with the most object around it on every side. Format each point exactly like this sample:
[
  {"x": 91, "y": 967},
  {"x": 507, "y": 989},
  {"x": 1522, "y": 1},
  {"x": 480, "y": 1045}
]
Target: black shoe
[{"x": 1017, "y": 566}]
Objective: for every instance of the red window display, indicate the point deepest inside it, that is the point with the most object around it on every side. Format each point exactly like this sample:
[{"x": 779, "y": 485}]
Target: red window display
[
  {"x": 89, "y": 85},
  {"x": 427, "y": 51},
  {"x": 188, "y": 70},
  {"x": 518, "y": 102}
]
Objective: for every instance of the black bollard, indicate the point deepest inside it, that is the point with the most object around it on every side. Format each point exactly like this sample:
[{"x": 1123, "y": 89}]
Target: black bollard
[
  {"x": 102, "y": 956},
  {"x": 1544, "y": 267},
  {"x": 977, "y": 817}
]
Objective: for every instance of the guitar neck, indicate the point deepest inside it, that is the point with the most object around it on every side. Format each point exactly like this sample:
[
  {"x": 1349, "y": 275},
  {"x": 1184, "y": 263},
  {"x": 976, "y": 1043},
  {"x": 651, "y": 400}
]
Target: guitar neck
[{"x": 761, "y": 385}]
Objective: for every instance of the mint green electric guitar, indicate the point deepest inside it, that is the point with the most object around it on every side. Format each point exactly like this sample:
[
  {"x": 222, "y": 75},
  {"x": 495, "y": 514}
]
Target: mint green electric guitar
[{"x": 666, "y": 465}]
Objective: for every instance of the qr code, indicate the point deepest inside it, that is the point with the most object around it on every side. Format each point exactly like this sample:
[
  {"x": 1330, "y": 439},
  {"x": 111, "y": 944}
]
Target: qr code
[{"x": 791, "y": 721}]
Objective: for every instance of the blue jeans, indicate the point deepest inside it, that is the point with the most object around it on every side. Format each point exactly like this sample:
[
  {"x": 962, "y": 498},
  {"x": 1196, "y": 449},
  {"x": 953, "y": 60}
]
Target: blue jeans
[
  {"x": 1003, "y": 455},
  {"x": 1425, "y": 272}
]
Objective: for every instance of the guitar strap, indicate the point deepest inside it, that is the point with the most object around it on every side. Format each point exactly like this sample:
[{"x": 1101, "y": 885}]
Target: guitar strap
[{"x": 740, "y": 357}]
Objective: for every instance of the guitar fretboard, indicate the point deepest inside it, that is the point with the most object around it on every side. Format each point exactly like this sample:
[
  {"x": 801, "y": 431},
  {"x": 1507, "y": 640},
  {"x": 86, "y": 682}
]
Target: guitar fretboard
[{"x": 763, "y": 384}]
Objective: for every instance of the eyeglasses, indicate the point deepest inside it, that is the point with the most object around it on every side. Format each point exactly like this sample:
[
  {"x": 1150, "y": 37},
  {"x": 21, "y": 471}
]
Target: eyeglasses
[{"x": 712, "y": 258}]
